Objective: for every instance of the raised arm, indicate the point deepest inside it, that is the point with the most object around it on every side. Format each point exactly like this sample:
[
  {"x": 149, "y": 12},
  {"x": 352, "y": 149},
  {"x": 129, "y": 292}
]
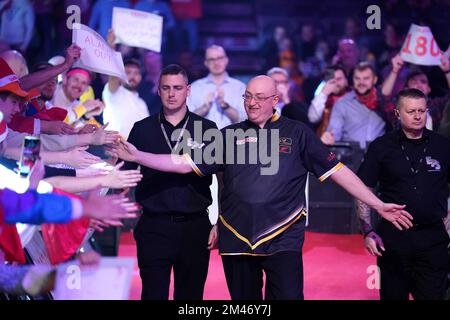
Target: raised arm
[
  {"x": 388, "y": 84},
  {"x": 445, "y": 67},
  {"x": 315, "y": 110},
  {"x": 113, "y": 82},
  {"x": 38, "y": 78}
]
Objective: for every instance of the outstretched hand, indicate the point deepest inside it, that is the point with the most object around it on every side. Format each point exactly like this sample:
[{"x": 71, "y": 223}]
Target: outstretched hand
[
  {"x": 118, "y": 179},
  {"x": 110, "y": 207},
  {"x": 102, "y": 136},
  {"x": 125, "y": 151},
  {"x": 395, "y": 214}
]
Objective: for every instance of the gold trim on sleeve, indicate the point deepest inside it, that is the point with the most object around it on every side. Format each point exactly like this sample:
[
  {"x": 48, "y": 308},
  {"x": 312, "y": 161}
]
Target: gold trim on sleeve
[
  {"x": 193, "y": 165},
  {"x": 331, "y": 171}
]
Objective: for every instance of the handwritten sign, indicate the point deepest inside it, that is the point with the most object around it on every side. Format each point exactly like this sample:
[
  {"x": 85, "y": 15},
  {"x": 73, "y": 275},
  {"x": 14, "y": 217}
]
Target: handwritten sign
[
  {"x": 110, "y": 280},
  {"x": 96, "y": 54},
  {"x": 420, "y": 47},
  {"x": 137, "y": 28}
]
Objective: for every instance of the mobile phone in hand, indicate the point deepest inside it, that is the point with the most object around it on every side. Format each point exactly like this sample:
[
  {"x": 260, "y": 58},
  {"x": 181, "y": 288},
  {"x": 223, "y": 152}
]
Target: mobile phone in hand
[
  {"x": 30, "y": 154},
  {"x": 329, "y": 74}
]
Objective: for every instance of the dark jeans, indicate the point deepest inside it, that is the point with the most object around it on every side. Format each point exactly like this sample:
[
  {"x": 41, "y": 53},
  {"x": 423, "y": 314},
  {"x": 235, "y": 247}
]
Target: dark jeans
[
  {"x": 415, "y": 261},
  {"x": 166, "y": 242}
]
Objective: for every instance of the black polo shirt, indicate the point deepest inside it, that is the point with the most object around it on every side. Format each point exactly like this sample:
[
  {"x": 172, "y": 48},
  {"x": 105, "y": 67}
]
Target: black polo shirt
[
  {"x": 261, "y": 214},
  {"x": 416, "y": 175},
  {"x": 162, "y": 192}
]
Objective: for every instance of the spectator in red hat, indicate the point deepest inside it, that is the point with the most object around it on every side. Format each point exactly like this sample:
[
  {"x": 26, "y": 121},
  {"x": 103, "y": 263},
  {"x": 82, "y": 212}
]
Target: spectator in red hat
[{"x": 11, "y": 94}]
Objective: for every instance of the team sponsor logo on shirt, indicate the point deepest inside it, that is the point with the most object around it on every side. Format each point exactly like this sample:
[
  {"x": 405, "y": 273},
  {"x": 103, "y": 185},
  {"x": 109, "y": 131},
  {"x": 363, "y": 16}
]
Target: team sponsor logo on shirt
[
  {"x": 191, "y": 143},
  {"x": 285, "y": 145},
  {"x": 285, "y": 141},
  {"x": 285, "y": 149},
  {"x": 246, "y": 140},
  {"x": 433, "y": 163},
  {"x": 331, "y": 156}
]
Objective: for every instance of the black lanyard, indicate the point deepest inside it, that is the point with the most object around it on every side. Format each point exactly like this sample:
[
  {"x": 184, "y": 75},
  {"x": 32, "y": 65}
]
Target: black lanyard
[
  {"x": 167, "y": 137},
  {"x": 414, "y": 170}
]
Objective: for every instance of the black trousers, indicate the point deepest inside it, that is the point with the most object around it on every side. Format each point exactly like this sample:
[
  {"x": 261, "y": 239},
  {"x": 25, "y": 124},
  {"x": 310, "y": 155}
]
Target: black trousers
[
  {"x": 166, "y": 242},
  {"x": 283, "y": 270},
  {"x": 415, "y": 261}
]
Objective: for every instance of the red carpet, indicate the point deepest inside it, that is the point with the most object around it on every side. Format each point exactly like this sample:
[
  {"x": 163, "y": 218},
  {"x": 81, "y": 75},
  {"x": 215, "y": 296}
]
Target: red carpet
[{"x": 335, "y": 268}]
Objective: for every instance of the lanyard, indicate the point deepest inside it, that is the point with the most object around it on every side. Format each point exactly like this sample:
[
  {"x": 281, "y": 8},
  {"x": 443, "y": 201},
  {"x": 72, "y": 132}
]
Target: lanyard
[
  {"x": 414, "y": 170},
  {"x": 167, "y": 137}
]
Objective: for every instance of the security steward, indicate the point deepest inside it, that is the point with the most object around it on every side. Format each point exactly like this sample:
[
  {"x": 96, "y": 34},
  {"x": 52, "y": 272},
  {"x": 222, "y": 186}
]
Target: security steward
[
  {"x": 173, "y": 232},
  {"x": 410, "y": 165}
]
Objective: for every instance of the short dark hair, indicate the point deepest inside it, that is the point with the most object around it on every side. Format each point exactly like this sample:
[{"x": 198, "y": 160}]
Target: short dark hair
[
  {"x": 409, "y": 93},
  {"x": 133, "y": 62},
  {"x": 415, "y": 73},
  {"x": 364, "y": 65},
  {"x": 335, "y": 67},
  {"x": 174, "y": 69}
]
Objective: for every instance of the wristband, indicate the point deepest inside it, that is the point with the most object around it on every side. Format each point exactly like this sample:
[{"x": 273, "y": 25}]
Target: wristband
[{"x": 367, "y": 232}]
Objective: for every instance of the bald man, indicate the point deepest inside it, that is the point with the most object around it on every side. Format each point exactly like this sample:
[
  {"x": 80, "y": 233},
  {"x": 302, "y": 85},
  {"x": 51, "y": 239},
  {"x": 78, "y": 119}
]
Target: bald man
[{"x": 262, "y": 222}]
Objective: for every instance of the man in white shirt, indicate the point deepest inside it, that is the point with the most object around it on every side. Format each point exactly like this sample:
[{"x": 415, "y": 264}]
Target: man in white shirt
[
  {"x": 123, "y": 106},
  {"x": 218, "y": 97}
]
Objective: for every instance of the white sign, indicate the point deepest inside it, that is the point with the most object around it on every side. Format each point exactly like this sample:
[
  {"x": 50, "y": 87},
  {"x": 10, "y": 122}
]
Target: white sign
[
  {"x": 137, "y": 28},
  {"x": 96, "y": 54},
  {"x": 420, "y": 47},
  {"x": 110, "y": 280}
]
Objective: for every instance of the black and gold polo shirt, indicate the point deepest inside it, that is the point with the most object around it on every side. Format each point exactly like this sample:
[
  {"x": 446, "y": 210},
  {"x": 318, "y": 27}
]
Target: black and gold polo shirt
[{"x": 261, "y": 214}]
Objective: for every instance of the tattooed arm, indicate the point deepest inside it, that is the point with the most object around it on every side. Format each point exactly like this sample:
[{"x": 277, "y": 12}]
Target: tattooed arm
[
  {"x": 371, "y": 240},
  {"x": 363, "y": 211}
]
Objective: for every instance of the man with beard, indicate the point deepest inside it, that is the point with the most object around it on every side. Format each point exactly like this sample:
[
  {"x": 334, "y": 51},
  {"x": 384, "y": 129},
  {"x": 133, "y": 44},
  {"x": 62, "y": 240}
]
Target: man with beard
[
  {"x": 124, "y": 106},
  {"x": 336, "y": 87},
  {"x": 361, "y": 115}
]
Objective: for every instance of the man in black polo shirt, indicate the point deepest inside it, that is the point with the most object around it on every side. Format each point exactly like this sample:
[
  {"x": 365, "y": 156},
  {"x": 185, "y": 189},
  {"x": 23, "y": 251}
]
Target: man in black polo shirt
[
  {"x": 412, "y": 166},
  {"x": 174, "y": 230},
  {"x": 262, "y": 220}
]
